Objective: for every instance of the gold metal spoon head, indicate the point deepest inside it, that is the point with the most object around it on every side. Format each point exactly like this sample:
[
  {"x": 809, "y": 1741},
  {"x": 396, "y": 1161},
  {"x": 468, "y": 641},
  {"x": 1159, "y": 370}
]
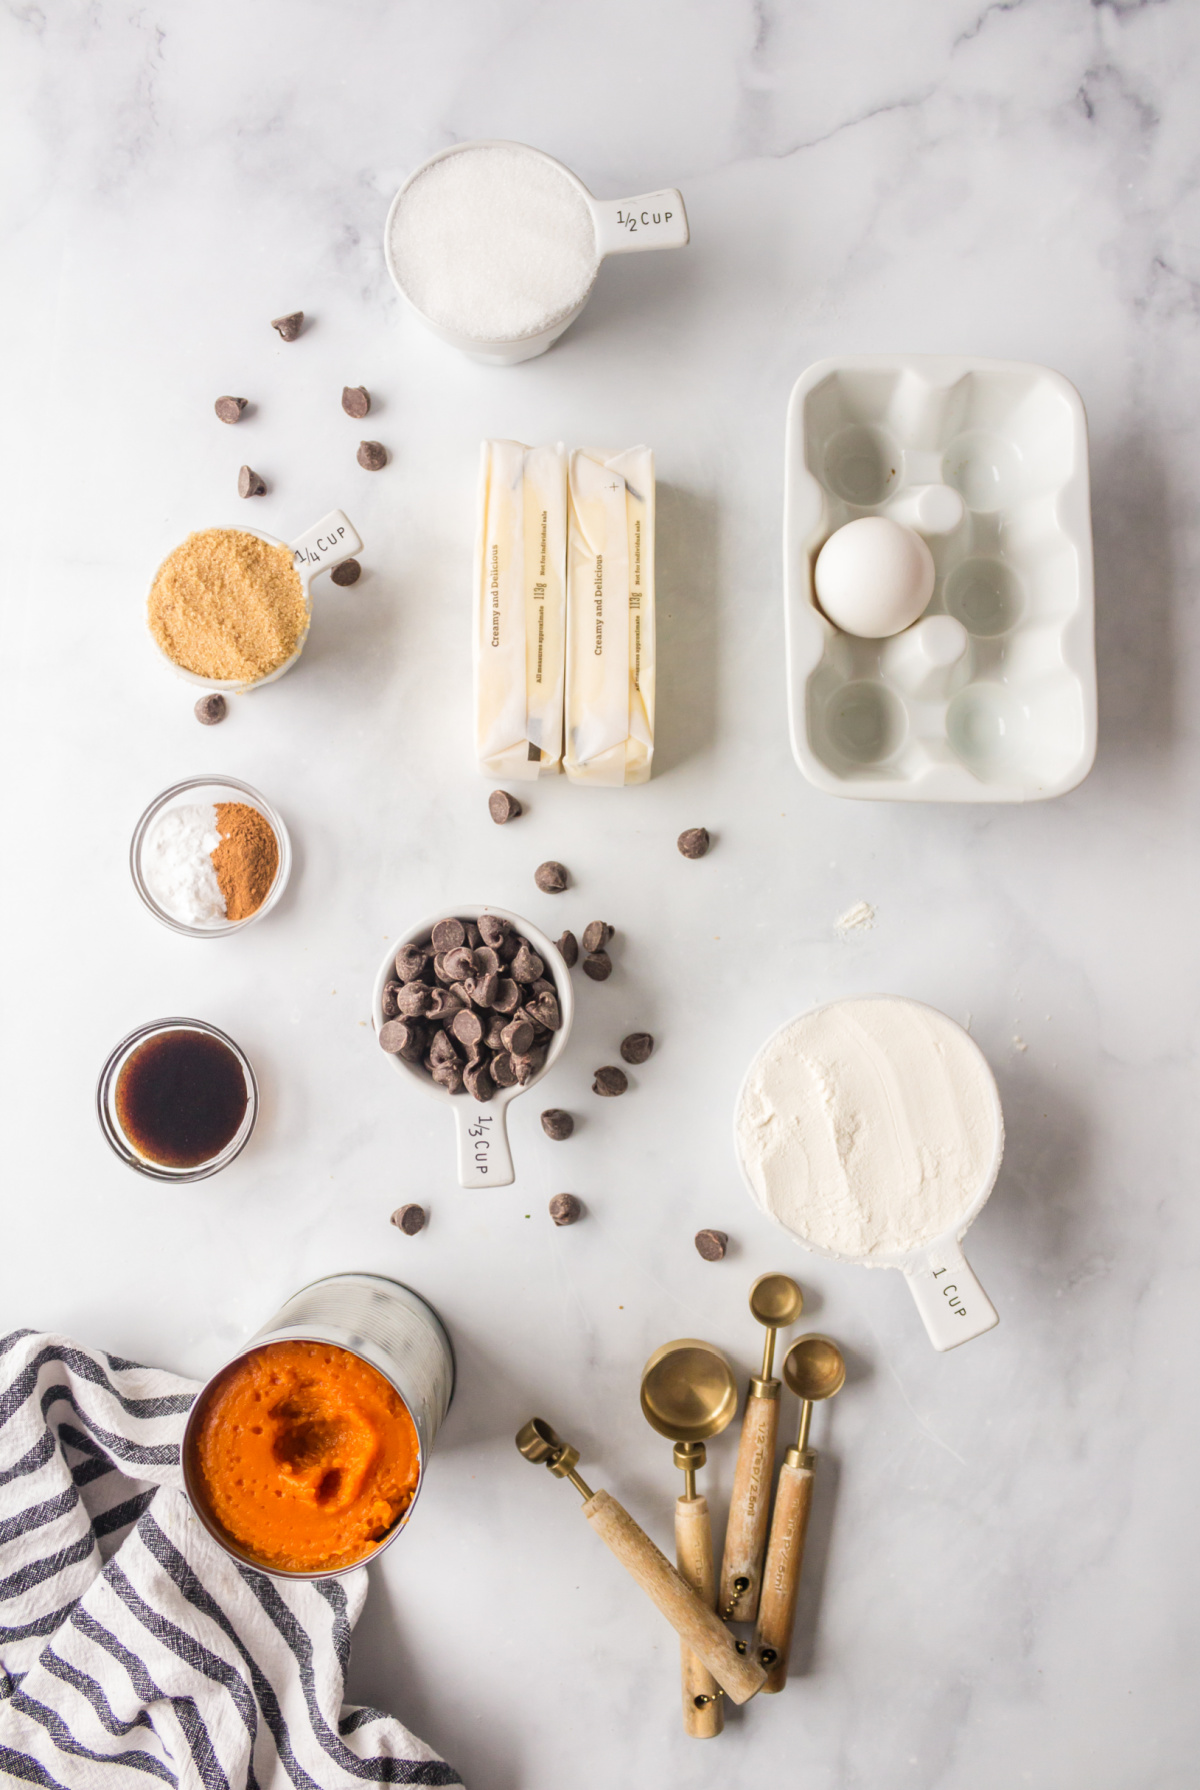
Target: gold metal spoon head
[
  {"x": 776, "y": 1300},
  {"x": 538, "y": 1442},
  {"x": 688, "y": 1390},
  {"x": 814, "y": 1367}
]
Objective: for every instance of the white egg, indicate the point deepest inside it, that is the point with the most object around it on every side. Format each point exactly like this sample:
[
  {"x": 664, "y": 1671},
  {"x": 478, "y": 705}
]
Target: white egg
[{"x": 874, "y": 577}]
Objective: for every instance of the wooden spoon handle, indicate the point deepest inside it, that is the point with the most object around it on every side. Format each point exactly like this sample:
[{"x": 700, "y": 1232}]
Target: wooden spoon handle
[
  {"x": 704, "y": 1633},
  {"x": 750, "y": 1506},
  {"x": 694, "y": 1558},
  {"x": 781, "y": 1577}
]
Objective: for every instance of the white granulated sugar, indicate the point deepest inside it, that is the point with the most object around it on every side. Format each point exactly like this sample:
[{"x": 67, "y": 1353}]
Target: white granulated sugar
[
  {"x": 177, "y": 865},
  {"x": 494, "y": 242},
  {"x": 869, "y": 1127}
]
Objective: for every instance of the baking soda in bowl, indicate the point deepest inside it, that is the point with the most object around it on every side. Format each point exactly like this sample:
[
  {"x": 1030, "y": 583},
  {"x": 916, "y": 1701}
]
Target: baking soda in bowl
[{"x": 494, "y": 242}]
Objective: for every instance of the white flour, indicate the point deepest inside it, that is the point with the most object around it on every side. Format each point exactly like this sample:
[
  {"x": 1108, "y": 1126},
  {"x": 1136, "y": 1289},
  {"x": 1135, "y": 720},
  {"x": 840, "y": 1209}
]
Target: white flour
[
  {"x": 494, "y": 243},
  {"x": 177, "y": 867},
  {"x": 869, "y": 1127}
]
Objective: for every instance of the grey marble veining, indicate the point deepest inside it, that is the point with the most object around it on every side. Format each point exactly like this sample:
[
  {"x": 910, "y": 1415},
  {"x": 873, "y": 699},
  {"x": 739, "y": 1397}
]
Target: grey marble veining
[{"x": 1001, "y": 1587}]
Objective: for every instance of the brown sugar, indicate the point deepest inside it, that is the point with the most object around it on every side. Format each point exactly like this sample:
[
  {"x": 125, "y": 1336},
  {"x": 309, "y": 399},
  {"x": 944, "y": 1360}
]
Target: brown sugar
[
  {"x": 246, "y": 859},
  {"x": 226, "y": 605}
]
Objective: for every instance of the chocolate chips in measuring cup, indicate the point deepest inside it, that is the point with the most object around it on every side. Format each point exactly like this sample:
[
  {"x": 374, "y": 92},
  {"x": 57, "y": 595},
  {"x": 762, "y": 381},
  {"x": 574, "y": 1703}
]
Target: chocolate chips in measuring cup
[{"x": 473, "y": 1006}]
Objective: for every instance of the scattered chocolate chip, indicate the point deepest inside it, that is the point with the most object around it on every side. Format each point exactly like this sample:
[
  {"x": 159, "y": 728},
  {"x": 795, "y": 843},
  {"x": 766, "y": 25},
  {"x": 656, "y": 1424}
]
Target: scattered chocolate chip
[
  {"x": 568, "y": 949},
  {"x": 526, "y": 966},
  {"x": 596, "y": 935},
  {"x": 565, "y": 1208},
  {"x": 211, "y": 709},
  {"x": 502, "y": 807},
  {"x": 598, "y": 965},
  {"x": 610, "y": 1082},
  {"x": 356, "y": 400},
  {"x": 637, "y": 1048},
  {"x": 289, "y": 327},
  {"x": 557, "y": 1124},
  {"x": 230, "y": 409},
  {"x": 712, "y": 1245},
  {"x": 447, "y": 935},
  {"x": 250, "y": 483},
  {"x": 693, "y": 844},
  {"x": 409, "y": 1219},
  {"x": 551, "y": 878},
  {"x": 371, "y": 456},
  {"x": 411, "y": 961},
  {"x": 347, "y": 571}
]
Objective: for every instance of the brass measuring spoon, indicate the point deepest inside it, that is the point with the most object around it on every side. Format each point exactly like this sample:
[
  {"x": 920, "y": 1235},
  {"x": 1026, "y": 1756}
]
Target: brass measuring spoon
[
  {"x": 814, "y": 1369},
  {"x": 697, "y": 1626},
  {"x": 775, "y": 1301},
  {"x": 688, "y": 1394}
]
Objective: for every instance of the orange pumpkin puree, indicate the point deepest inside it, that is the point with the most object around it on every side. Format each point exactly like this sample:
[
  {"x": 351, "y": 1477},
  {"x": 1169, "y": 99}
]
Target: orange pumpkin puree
[{"x": 307, "y": 1456}]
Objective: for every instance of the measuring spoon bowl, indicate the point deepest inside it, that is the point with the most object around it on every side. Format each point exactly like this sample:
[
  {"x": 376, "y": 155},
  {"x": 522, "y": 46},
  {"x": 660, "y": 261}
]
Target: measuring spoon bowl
[
  {"x": 688, "y": 1392},
  {"x": 814, "y": 1367},
  {"x": 776, "y": 1301}
]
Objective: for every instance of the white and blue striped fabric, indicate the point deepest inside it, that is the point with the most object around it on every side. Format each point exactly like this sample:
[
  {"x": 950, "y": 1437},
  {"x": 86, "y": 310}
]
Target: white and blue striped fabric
[{"x": 132, "y": 1649}]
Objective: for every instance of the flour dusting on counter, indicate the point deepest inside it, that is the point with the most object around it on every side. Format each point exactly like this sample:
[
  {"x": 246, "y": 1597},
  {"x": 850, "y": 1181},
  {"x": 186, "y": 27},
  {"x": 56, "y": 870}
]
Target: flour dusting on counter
[{"x": 869, "y": 1126}]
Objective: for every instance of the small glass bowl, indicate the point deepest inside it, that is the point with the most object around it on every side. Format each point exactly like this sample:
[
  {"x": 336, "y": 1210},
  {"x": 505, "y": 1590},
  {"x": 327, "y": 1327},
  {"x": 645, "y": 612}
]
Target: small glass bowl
[
  {"x": 114, "y": 1131},
  {"x": 209, "y": 789}
]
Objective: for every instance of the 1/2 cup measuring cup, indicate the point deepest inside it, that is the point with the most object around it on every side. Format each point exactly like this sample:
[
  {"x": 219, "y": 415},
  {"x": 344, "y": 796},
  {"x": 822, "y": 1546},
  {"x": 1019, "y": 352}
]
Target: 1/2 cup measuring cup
[
  {"x": 655, "y": 220},
  {"x": 954, "y": 1307},
  {"x": 331, "y": 540},
  {"x": 484, "y": 1158}
]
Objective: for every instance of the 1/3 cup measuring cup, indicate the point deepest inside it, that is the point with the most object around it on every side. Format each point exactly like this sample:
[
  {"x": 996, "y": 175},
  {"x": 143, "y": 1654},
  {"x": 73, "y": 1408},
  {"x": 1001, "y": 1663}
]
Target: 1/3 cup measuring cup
[
  {"x": 484, "y": 1158},
  {"x": 926, "y": 1095},
  {"x": 655, "y": 220},
  {"x": 318, "y": 549}
]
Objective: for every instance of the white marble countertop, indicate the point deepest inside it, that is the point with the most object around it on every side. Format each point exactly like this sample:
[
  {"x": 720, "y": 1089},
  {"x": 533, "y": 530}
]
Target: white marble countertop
[{"x": 1001, "y": 1585}]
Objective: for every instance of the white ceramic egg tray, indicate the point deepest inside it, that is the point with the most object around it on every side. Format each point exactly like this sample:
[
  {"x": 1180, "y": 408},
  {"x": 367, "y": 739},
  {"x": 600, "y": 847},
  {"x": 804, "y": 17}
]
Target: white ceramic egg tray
[{"x": 1013, "y": 719}]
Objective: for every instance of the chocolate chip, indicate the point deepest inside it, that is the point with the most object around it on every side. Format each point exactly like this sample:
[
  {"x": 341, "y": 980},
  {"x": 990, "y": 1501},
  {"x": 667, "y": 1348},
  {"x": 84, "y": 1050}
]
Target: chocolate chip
[
  {"x": 388, "y": 1002},
  {"x": 486, "y": 960},
  {"x": 544, "y": 1009},
  {"x": 502, "y": 807},
  {"x": 474, "y": 936},
  {"x": 517, "y": 1037},
  {"x": 448, "y": 1076},
  {"x": 250, "y": 483},
  {"x": 356, "y": 400},
  {"x": 596, "y": 935},
  {"x": 509, "y": 946},
  {"x": 289, "y": 327},
  {"x": 503, "y": 1073},
  {"x": 527, "y": 1067},
  {"x": 467, "y": 1028},
  {"x": 478, "y": 1081},
  {"x": 637, "y": 1048},
  {"x": 409, "y": 1219},
  {"x": 551, "y": 878},
  {"x": 693, "y": 844},
  {"x": 610, "y": 1082},
  {"x": 598, "y": 965},
  {"x": 493, "y": 930},
  {"x": 392, "y": 1036},
  {"x": 712, "y": 1245},
  {"x": 568, "y": 949},
  {"x": 484, "y": 989},
  {"x": 211, "y": 709},
  {"x": 442, "y": 1048},
  {"x": 371, "y": 456},
  {"x": 526, "y": 966},
  {"x": 507, "y": 997},
  {"x": 411, "y": 961},
  {"x": 557, "y": 1124},
  {"x": 459, "y": 963},
  {"x": 347, "y": 571},
  {"x": 494, "y": 1036},
  {"x": 565, "y": 1208},
  {"x": 447, "y": 935},
  {"x": 230, "y": 409},
  {"x": 413, "y": 999}
]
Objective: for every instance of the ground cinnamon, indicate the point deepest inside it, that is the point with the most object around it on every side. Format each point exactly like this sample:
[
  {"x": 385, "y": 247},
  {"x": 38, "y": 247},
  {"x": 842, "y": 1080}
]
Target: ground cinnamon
[{"x": 246, "y": 859}]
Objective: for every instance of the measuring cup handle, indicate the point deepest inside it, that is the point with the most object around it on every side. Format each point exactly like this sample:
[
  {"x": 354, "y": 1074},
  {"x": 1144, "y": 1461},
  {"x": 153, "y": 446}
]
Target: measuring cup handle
[
  {"x": 651, "y": 221},
  {"x": 331, "y": 540},
  {"x": 953, "y": 1306},
  {"x": 749, "y": 1508},
  {"x": 484, "y": 1158},
  {"x": 781, "y": 1577}
]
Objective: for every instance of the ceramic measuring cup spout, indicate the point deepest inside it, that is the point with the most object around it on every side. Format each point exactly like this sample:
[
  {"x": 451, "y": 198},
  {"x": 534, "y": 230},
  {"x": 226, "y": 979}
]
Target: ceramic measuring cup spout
[{"x": 481, "y": 1126}]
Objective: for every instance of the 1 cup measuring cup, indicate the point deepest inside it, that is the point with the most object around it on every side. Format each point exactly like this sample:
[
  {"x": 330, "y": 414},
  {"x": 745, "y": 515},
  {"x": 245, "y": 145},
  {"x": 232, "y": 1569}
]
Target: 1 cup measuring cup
[
  {"x": 894, "y": 1085},
  {"x": 318, "y": 549},
  {"x": 484, "y": 1157},
  {"x": 655, "y": 220}
]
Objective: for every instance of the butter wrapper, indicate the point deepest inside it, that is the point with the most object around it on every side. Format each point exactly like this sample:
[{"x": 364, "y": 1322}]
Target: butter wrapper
[
  {"x": 520, "y": 610},
  {"x": 610, "y": 616}
]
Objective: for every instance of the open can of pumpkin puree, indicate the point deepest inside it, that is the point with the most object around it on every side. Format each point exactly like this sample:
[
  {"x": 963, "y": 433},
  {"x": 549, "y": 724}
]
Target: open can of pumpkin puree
[{"x": 304, "y": 1455}]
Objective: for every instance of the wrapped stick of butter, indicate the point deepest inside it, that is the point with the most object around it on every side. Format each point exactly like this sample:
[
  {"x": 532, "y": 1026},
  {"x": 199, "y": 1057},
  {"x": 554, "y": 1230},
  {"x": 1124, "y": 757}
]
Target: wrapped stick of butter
[
  {"x": 520, "y": 610},
  {"x": 610, "y": 616}
]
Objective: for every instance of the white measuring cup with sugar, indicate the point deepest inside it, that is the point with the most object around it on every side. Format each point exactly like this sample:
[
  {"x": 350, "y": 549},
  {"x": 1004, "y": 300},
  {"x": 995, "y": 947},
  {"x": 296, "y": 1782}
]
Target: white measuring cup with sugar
[
  {"x": 954, "y": 1307},
  {"x": 484, "y": 1156},
  {"x": 655, "y": 220}
]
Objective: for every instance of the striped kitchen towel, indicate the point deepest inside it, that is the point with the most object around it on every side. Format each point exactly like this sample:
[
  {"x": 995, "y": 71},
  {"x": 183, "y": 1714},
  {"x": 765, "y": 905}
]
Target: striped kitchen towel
[{"x": 131, "y": 1647}]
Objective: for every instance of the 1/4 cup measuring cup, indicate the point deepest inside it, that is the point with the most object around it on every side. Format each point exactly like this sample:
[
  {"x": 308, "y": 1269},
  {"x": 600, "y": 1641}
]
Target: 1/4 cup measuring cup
[
  {"x": 954, "y": 1307},
  {"x": 655, "y": 220}
]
